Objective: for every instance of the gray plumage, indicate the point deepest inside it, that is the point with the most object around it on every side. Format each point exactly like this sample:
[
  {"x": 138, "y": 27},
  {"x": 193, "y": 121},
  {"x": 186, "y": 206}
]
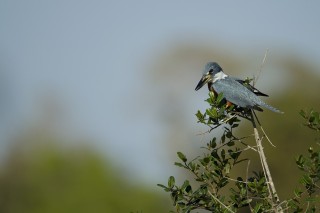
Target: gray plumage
[
  {"x": 250, "y": 87},
  {"x": 239, "y": 94}
]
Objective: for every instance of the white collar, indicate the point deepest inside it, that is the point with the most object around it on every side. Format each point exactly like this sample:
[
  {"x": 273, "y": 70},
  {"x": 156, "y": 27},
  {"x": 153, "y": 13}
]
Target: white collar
[{"x": 218, "y": 76}]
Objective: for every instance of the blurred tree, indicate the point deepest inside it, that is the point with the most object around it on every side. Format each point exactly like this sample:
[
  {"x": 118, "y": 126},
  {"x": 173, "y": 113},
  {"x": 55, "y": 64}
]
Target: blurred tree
[{"x": 42, "y": 175}]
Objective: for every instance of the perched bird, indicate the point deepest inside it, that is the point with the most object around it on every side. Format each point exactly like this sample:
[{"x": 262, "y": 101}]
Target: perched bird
[{"x": 234, "y": 90}]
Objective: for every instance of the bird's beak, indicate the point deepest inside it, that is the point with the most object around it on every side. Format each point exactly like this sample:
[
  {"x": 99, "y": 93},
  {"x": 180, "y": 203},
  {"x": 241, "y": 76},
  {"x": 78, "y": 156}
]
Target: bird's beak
[{"x": 205, "y": 78}]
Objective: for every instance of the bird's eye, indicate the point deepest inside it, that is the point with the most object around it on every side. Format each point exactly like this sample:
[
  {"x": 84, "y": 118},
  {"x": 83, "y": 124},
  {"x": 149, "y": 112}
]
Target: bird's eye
[{"x": 210, "y": 71}]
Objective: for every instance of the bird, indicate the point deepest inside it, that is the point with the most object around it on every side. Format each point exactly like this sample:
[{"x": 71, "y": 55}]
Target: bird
[{"x": 235, "y": 91}]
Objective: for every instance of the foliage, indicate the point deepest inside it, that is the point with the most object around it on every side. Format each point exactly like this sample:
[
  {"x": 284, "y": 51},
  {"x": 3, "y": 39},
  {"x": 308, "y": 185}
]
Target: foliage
[
  {"x": 308, "y": 197},
  {"x": 311, "y": 119},
  {"x": 217, "y": 190},
  {"x": 45, "y": 177}
]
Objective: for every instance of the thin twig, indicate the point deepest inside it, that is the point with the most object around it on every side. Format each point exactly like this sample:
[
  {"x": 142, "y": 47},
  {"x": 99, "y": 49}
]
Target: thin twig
[
  {"x": 265, "y": 167},
  {"x": 255, "y": 115},
  {"x": 237, "y": 140},
  {"x": 261, "y": 66},
  {"x": 238, "y": 181},
  {"x": 203, "y": 133},
  {"x": 249, "y": 147},
  {"x": 220, "y": 202},
  {"x": 308, "y": 203},
  {"x": 267, "y": 136},
  {"x": 264, "y": 164}
]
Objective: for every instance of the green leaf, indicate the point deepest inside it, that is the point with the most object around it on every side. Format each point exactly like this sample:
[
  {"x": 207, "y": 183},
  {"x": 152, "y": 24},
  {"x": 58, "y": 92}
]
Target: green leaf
[
  {"x": 257, "y": 207},
  {"x": 193, "y": 166},
  {"x": 186, "y": 186},
  {"x": 188, "y": 189},
  {"x": 230, "y": 143},
  {"x": 223, "y": 138},
  {"x": 162, "y": 186},
  {"x": 315, "y": 115},
  {"x": 212, "y": 144},
  {"x": 200, "y": 116},
  {"x": 234, "y": 154},
  {"x": 212, "y": 112},
  {"x": 229, "y": 134},
  {"x": 212, "y": 98},
  {"x": 223, "y": 182},
  {"x": 246, "y": 202},
  {"x": 181, "y": 204},
  {"x": 302, "y": 113},
  {"x": 234, "y": 125},
  {"x": 223, "y": 154},
  {"x": 262, "y": 181},
  {"x": 179, "y": 165},
  {"x": 231, "y": 108},
  {"x": 215, "y": 155},
  {"x": 171, "y": 182},
  {"x": 227, "y": 168},
  {"x": 207, "y": 159},
  {"x": 311, "y": 118},
  {"x": 306, "y": 180},
  {"x": 182, "y": 156},
  {"x": 220, "y": 97},
  {"x": 300, "y": 160},
  {"x": 297, "y": 192}
]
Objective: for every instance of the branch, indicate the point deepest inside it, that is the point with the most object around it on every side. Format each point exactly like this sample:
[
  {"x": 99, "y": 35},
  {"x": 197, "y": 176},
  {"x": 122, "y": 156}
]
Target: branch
[
  {"x": 265, "y": 166},
  {"x": 255, "y": 78},
  {"x": 216, "y": 199}
]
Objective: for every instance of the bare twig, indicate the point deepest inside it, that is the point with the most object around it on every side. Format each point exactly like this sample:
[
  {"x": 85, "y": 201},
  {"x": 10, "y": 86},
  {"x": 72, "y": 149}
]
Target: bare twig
[
  {"x": 265, "y": 134},
  {"x": 272, "y": 190},
  {"x": 248, "y": 146},
  {"x": 216, "y": 199},
  {"x": 308, "y": 203},
  {"x": 237, "y": 181},
  {"x": 264, "y": 164},
  {"x": 255, "y": 78}
]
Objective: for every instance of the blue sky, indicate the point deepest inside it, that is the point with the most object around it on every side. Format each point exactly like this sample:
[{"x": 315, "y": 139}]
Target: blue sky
[{"x": 91, "y": 54}]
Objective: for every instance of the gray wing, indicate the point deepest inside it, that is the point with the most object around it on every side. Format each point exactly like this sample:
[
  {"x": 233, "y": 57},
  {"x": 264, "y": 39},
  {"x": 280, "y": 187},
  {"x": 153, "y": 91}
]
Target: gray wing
[
  {"x": 250, "y": 87},
  {"x": 235, "y": 92},
  {"x": 240, "y": 95}
]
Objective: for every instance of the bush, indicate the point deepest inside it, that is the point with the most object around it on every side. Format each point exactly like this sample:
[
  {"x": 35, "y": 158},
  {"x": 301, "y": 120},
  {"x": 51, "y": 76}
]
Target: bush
[{"x": 218, "y": 191}]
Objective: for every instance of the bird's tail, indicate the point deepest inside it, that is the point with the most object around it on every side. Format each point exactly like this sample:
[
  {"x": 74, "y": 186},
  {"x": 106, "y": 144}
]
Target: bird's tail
[{"x": 270, "y": 108}]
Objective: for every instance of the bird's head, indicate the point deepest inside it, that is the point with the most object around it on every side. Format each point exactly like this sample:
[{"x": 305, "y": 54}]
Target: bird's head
[{"x": 212, "y": 72}]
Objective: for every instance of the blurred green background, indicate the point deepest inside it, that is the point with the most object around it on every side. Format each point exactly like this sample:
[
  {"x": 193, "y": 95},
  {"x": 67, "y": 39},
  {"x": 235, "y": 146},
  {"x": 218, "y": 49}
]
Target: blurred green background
[{"x": 96, "y": 97}]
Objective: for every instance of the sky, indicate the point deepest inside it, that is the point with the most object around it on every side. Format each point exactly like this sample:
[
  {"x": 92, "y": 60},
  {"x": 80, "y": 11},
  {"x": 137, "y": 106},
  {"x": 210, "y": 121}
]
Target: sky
[{"x": 91, "y": 56}]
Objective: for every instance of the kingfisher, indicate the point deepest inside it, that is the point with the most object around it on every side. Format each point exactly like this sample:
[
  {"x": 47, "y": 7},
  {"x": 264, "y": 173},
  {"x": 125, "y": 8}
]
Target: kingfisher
[{"x": 235, "y": 91}]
